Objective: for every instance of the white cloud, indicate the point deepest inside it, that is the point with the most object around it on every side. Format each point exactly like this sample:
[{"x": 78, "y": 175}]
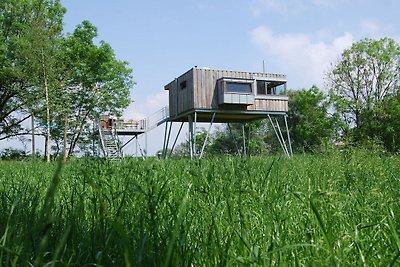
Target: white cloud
[
  {"x": 132, "y": 113},
  {"x": 374, "y": 29},
  {"x": 303, "y": 59},
  {"x": 139, "y": 110},
  {"x": 157, "y": 101}
]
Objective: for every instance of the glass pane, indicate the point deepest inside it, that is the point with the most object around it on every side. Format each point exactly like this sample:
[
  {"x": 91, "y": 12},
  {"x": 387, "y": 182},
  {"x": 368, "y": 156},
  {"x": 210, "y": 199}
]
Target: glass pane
[
  {"x": 261, "y": 88},
  {"x": 276, "y": 88},
  {"x": 280, "y": 90},
  {"x": 233, "y": 87}
]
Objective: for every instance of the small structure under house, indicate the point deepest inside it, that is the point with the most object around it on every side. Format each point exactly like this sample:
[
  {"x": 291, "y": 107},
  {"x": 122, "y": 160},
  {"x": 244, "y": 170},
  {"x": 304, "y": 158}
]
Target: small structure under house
[{"x": 208, "y": 95}]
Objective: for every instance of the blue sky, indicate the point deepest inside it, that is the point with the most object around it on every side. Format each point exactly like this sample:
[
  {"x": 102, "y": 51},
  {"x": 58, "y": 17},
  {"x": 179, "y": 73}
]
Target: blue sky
[{"x": 163, "y": 39}]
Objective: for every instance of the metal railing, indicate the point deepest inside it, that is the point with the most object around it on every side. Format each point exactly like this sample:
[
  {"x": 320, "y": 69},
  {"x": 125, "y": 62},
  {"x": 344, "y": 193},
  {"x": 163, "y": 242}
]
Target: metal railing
[{"x": 145, "y": 124}]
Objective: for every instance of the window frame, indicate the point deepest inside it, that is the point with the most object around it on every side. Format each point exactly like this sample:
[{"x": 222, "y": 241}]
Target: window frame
[
  {"x": 224, "y": 85},
  {"x": 270, "y": 95}
]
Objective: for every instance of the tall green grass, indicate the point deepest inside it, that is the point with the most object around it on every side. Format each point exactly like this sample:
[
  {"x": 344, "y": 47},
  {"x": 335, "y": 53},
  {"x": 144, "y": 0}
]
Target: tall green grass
[{"x": 332, "y": 210}]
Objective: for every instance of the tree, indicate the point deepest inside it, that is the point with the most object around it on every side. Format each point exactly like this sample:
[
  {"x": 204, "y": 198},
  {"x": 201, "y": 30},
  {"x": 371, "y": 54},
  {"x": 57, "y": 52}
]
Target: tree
[
  {"x": 384, "y": 125},
  {"x": 365, "y": 76},
  {"x": 66, "y": 82},
  {"x": 40, "y": 50},
  {"x": 25, "y": 26},
  {"x": 390, "y": 121},
  {"x": 14, "y": 80},
  {"x": 95, "y": 82},
  {"x": 259, "y": 139},
  {"x": 311, "y": 126}
]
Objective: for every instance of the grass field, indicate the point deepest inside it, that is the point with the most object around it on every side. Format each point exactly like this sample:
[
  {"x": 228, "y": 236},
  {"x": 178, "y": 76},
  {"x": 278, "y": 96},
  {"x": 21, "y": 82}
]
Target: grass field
[{"x": 329, "y": 210}]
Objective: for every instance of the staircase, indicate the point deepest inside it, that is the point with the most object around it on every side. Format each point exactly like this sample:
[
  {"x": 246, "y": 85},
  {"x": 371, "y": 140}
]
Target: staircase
[
  {"x": 109, "y": 137},
  {"x": 109, "y": 143}
]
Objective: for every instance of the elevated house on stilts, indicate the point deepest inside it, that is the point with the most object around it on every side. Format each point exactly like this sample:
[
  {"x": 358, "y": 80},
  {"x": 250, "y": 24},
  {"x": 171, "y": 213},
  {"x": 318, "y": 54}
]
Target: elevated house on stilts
[
  {"x": 221, "y": 96},
  {"x": 211, "y": 96}
]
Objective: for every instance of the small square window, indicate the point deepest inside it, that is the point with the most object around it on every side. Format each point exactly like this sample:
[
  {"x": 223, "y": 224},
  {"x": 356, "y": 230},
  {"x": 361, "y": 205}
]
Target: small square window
[{"x": 183, "y": 85}]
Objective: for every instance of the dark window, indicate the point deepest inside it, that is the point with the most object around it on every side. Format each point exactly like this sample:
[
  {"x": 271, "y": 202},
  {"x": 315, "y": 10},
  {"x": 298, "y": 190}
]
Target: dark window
[
  {"x": 183, "y": 85},
  {"x": 236, "y": 87},
  {"x": 276, "y": 88},
  {"x": 261, "y": 87}
]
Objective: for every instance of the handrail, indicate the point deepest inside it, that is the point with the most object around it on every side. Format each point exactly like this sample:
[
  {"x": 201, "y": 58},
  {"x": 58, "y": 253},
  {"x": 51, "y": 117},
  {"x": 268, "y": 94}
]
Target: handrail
[
  {"x": 148, "y": 123},
  {"x": 102, "y": 138}
]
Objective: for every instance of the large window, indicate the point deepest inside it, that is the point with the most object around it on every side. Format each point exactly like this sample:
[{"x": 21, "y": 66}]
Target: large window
[
  {"x": 233, "y": 91},
  {"x": 238, "y": 87},
  {"x": 271, "y": 87}
]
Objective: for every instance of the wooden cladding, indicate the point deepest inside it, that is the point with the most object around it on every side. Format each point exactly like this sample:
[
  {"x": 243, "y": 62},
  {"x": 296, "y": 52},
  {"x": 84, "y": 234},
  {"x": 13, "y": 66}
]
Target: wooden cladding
[{"x": 200, "y": 89}]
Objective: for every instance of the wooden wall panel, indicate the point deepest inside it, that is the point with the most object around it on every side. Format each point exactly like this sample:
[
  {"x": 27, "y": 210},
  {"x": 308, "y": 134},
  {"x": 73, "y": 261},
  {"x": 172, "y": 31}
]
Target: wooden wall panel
[{"x": 202, "y": 91}]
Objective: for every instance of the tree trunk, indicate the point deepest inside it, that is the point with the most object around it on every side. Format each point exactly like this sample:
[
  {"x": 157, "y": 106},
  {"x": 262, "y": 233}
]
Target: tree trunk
[
  {"x": 33, "y": 136},
  {"x": 65, "y": 138},
  {"x": 78, "y": 133},
  {"x": 46, "y": 89}
]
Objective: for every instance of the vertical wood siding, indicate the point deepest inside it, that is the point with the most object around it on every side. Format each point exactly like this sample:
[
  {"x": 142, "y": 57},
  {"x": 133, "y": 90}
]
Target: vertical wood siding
[{"x": 201, "y": 91}]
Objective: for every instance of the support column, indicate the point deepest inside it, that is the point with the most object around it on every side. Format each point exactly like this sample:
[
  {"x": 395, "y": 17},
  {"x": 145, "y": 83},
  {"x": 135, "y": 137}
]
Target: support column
[
  {"x": 191, "y": 136},
  {"x": 282, "y": 138},
  {"x": 176, "y": 139},
  {"x": 278, "y": 136},
  {"x": 244, "y": 141},
  {"x": 168, "y": 137},
  {"x": 165, "y": 139},
  {"x": 136, "y": 152},
  {"x": 234, "y": 139},
  {"x": 288, "y": 136},
  {"x": 194, "y": 134},
  {"x": 145, "y": 144},
  {"x": 208, "y": 133}
]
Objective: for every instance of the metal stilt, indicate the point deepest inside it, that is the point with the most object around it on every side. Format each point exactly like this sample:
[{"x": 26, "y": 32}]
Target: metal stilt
[
  {"x": 141, "y": 151},
  {"x": 165, "y": 138},
  {"x": 128, "y": 142},
  {"x": 145, "y": 143},
  {"x": 169, "y": 135},
  {"x": 194, "y": 134},
  {"x": 277, "y": 135},
  {"x": 244, "y": 141},
  {"x": 191, "y": 137},
  {"x": 288, "y": 136},
  {"x": 283, "y": 139},
  {"x": 234, "y": 139},
  {"x": 137, "y": 143},
  {"x": 208, "y": 133},
  {"x": 176, "y": 139}
]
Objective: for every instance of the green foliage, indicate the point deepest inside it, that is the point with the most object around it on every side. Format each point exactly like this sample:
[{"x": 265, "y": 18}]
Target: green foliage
[
  {"x": 228, "y": 140},
  {"x": 28, "y": 31},
  {"x": 381, "y": 125},
  {"x": 341, "y": 209},
  {"x": 62, "y": 80},
  {"x": 13, "y": 154},
  {"x": 95, "y": 83},
  {"x": 364, "y": 85},
  {"x": 311, "y": 127}
]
